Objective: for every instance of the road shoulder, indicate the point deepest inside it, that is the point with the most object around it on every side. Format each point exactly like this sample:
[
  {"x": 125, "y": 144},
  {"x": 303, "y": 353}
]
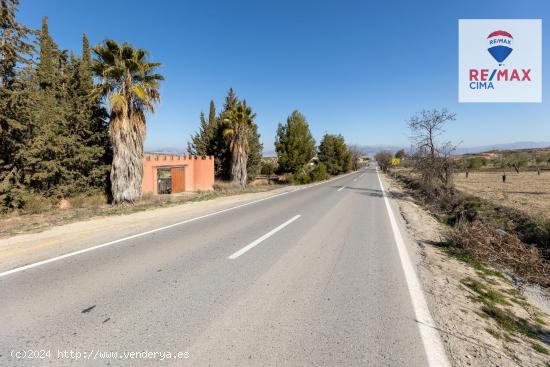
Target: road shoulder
[
  {"x": 470, "y": 336},
  {"x": 24, "y": 249}
]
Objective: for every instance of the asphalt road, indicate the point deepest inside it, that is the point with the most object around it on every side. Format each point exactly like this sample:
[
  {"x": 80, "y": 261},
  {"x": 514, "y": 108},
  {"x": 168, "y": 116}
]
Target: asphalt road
[{"x": 312, "y": 277}]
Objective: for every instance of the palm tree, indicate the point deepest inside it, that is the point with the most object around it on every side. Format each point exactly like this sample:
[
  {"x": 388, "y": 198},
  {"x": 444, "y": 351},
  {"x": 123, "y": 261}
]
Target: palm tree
[
  {"x": 240, "y": 122},
  {"x": 130, "y": 86}
]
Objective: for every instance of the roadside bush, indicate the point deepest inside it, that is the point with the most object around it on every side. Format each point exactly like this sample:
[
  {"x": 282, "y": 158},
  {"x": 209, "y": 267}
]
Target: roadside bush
[
  {"x": 268, "y": 167},
  {"x": 453, "y": 207},
  {"x": 485, "y": 243},
  {"x": 300, "y": 178},
  {"x": 488, "y": 232},
  {"x": 529, "y": 229},
  {"x": 319, "y": 173}
]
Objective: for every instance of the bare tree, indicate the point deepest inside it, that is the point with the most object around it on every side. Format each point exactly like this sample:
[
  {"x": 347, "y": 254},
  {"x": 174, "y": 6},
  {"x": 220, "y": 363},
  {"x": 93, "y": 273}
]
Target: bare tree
[
  {"x": 432, "y": 159},
  {"x": 384, "y": 160},
  {"x": 516, "y": 160},
  {"x": 426, "y": 126},
  {"x": 356, "y": 154}
]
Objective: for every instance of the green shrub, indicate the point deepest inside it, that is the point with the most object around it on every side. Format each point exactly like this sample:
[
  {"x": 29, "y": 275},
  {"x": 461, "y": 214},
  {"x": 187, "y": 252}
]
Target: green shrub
[
  {"x": 299, "y": 178},
  {"x": 510, "y": 322},
  {"x": 268, "y": 167},
  {"x": 319, "y": 173}
]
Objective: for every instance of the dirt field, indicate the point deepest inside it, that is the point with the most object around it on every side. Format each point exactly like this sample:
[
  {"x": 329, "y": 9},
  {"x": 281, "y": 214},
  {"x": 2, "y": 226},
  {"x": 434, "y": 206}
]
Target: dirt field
[{"x": 526, "y": 191}]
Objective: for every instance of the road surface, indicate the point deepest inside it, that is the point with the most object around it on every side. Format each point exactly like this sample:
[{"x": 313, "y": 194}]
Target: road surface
[{"x": 309, "y": 278}]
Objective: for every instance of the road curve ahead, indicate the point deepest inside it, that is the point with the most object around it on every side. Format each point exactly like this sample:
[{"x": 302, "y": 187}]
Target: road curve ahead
[{"x": 309, "y": 278}]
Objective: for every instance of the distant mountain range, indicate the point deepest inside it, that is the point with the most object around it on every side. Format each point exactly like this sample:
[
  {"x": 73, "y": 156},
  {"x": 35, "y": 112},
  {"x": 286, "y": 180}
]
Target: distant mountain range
[
  {"x": 509, "y": 146},
  {"x": 372, "y": 149},
  {"x": 166, "y": 150}
]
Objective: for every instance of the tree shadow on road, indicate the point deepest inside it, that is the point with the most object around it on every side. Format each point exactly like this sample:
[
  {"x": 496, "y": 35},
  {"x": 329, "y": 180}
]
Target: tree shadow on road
[{"x": 378, "y": 193}]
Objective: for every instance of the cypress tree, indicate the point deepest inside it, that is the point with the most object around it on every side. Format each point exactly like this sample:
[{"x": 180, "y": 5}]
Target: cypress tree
[
  {"x": 231, "y": 100},
  {"x": 255, "y": 151},
  {"x": 47, "y": 72},
  {"x": 220, "y": 144},
  {"x": 15, "y": 102},
  {"x": 212, "y": 114},
  {"x": 197, "y": 145},
  {"x": 87, "y": 125},
  {"x": 49, "y": 155},
  {"x": 201, "y": 141},
  {"x": 99, "y": 126}
]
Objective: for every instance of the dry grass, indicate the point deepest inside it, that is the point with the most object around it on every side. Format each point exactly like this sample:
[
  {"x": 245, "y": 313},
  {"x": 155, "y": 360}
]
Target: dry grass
[
  {"x": 526, "y": 191},
  {"x": 484, "y": 243},
  {"x": 35, "y": 204},
  {"x": 44, "y": 213},
  {"x": 89, "y": 201},
  {"x": 490, "y": 231},
  {"x": 226, "y": 186}
]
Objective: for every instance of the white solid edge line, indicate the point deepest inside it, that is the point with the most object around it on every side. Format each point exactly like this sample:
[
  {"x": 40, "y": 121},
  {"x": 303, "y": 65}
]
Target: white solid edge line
[
  {"x": 70, "y": 254},
  {"x": 262, "y": 238},
  {"x": 74, "y": 253},
  {"x": 433, "y": 347}
]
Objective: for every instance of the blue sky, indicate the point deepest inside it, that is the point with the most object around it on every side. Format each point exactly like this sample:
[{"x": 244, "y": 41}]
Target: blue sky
[{"x": 359, "y": 68}]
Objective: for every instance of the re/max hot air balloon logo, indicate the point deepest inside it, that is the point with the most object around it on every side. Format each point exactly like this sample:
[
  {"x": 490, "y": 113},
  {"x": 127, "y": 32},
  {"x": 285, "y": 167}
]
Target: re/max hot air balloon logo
[{"x": 499, "y": 46}]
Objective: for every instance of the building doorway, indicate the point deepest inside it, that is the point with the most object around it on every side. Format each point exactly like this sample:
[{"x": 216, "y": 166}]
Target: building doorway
[
  {"x": 170, "y": 180},
  {"x": 164, "y": 181}
]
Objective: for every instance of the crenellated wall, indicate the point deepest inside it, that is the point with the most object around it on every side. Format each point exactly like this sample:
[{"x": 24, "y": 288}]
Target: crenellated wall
[{"x": 198, "y": 171}]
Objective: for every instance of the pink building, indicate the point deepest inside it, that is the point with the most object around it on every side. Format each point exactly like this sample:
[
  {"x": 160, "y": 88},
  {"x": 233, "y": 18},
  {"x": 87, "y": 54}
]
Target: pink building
[{"x": 166, "y": 173}]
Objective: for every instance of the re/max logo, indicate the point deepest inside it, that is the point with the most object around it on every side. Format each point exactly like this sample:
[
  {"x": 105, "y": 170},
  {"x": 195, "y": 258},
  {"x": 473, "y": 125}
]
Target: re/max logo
[
  {"x": 482, "y": 75},
  {"x": 483, "y": 78}
]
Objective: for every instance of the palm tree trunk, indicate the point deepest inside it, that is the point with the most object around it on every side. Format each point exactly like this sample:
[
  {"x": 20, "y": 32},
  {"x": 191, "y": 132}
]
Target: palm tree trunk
[
  {"x": 127, "y": 137},
  {"x": 238, "y": 165}
]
